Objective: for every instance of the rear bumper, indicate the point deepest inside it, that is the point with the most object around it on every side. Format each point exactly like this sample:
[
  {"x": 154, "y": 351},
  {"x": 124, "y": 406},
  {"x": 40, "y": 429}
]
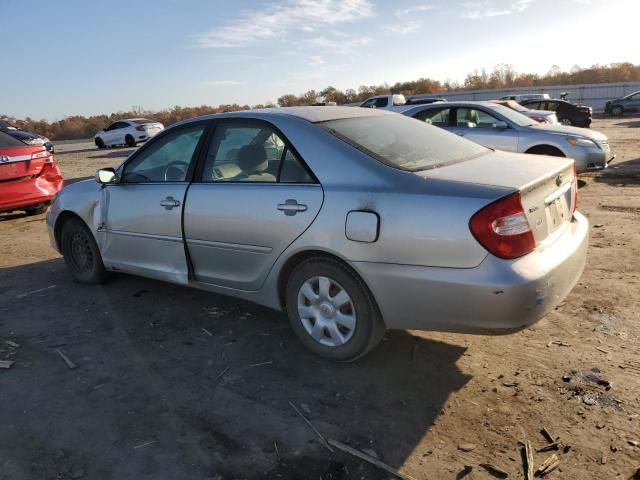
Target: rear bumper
[
  {"x": 31, "y": 191},
  {"x": 497, "y": 297}
]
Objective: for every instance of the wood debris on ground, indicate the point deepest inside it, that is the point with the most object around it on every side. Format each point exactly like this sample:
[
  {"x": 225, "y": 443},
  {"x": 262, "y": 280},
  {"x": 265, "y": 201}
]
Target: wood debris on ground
[
  {"x": 67, "y": 360},
  {"x": 494, "y": 470},
  {"x": 368, "y": 458}
]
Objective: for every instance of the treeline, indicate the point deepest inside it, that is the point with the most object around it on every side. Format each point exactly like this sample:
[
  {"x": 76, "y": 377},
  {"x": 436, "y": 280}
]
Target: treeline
[{"x": 502, "y": 76}]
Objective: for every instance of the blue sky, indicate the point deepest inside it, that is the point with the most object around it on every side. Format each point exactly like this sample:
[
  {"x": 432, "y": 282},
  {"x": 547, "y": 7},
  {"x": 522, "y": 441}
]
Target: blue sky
[{"x": 83, "y": 57}]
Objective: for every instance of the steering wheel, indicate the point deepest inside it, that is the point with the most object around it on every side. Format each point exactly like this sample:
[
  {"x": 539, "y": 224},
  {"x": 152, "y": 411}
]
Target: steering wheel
[{"x": 175, "y": 169}]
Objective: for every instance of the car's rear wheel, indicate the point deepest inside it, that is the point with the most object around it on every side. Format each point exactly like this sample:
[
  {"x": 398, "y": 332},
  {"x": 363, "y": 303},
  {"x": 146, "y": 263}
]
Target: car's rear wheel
[
  {"x": 566, "y": 121},
  {"x": 617, "y": 111},
  {"x": 332, "y": 311},
  {"x": 99, "y": 143},
  {"x": 81, "y": 253},
  {"x": 129, "y": 141}
]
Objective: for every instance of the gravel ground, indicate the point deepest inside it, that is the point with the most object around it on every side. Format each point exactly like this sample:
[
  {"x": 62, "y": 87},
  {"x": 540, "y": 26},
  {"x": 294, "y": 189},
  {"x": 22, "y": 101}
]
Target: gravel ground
[{"x": 175, "y": 383}]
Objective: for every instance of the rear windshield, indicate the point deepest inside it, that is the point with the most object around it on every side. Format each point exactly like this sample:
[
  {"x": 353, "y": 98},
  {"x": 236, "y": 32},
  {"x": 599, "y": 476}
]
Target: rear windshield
[
  {"x": 404, "y": 142},
  {"x": 515, "y": 117},
  {"x": 9, "y": 141},
  {"x": 142, "y": 121}
]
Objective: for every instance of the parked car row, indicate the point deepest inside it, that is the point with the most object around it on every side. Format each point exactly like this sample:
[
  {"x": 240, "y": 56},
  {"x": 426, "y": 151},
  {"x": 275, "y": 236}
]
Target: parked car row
[{"x": 627, "y": 104}]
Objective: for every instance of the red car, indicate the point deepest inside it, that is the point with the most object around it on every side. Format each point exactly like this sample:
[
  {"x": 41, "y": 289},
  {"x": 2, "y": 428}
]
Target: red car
[{"x": 29, "y": 178}]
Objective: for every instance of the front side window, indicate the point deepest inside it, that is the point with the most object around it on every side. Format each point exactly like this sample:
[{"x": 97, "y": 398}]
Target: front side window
[
  {"x": 437, "y": 117},
  {"x": 251, "y": 152},
  {"x": 402, "y": 142},
  {"x": 165, "y": 160},
  {"x": 475, "y": 118}
]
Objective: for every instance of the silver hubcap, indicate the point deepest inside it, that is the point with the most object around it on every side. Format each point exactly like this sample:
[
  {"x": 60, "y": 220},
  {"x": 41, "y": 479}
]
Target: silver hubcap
[{"x": 326, "y": 311}]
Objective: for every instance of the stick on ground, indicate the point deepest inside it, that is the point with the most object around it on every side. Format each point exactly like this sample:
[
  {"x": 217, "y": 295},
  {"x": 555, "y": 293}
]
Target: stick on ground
[
  {"x": 315, "y": 430},
  {"x": 367, "y": 458},
  {"x": 529, "y": 459},
  {"x": 67, "y": 360}
]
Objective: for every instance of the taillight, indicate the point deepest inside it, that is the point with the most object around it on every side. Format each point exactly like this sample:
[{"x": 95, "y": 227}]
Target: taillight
[
  {"x": 503, "y": 229},
  {"x": 574, "y": 186},
  {"x": 140, "y": 128},
  {"x": 44, "y": 154}
]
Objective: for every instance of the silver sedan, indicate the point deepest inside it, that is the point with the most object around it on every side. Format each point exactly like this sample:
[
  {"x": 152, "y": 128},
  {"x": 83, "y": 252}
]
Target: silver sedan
[
  {"x": 353, "y": 221},
  {"x": 499, "y": 127}
]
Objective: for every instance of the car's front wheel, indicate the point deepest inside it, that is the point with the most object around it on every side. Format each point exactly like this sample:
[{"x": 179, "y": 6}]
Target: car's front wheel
[
  {"x": 617, "y": 111},
  {"x": 332, "y": 311},
  {"x": 81, "y": 253}
]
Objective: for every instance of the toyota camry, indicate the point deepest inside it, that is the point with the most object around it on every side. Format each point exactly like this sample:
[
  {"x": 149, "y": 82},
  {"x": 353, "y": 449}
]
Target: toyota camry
[{"x": 350, "y": 220}]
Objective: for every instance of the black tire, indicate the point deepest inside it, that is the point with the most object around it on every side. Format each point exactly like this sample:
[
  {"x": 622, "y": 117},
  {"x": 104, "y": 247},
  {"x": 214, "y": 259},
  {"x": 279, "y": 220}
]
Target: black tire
[
  {"x": 129, "y": 141},
  {"x": 36, "y": 209},
  {"x": 545, "y": 150},
  {"x": 100, "y": 143},
  {"x": 617, "y": 110},
  {"x": 81, "y": 253},
  {"x": 369, "y": 326}
]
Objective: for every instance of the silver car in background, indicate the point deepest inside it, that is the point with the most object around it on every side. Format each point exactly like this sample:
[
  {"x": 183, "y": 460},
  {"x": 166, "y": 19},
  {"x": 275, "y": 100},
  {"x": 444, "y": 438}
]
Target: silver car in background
[
  {"x": 351, "y": 220},
  {"x": 499, "y": 127}
]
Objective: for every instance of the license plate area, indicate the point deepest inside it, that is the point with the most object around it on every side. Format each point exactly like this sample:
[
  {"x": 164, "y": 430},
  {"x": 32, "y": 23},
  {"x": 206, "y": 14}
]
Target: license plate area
[{"x": 558, "y": 207}]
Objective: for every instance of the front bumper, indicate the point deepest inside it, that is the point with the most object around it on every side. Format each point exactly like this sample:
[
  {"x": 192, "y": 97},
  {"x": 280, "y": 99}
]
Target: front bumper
[
  {"x": 498, "y": 296},
  {"x": 591, "y": 158},
  {"x": 15, "y": 195}
]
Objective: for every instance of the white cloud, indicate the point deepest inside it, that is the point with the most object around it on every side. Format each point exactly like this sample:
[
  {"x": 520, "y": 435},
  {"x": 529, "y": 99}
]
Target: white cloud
[
  {"x": 223, "y": 83},
  {"x": 405, "y": 12},
  {"x": 315, "y": 61},
  {"x": 403, "y": 28},
  {"x": 487, "y": 8},
  {"x": 278, "y": 21}
]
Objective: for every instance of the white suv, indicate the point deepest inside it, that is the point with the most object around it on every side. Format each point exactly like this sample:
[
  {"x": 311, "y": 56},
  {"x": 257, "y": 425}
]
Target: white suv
[{"x": 127, "y": 132}]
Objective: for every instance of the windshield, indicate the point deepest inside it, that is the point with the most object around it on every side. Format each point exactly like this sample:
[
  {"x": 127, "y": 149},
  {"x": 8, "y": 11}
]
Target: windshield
[
  {"x": 513, "y": 116},
  {"x": 142, "y": 121},
  {"x": 404, "y": 142}
]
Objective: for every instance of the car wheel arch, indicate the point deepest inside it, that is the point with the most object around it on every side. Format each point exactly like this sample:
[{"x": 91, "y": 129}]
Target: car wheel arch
[
  {"x": 545, "y": 149},
  {"x": 62, "y": 219},
  {"x": 302, "y": 256}
]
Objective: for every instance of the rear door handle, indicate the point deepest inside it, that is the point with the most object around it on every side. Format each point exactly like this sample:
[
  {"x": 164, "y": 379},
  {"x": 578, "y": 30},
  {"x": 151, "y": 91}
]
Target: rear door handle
[
  {"x": 169, "y": 202},
  {"x": 291, "y": 206}
]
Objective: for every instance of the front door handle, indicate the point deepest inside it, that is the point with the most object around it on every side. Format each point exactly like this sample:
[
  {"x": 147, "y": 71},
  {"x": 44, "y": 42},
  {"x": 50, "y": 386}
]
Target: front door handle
[
  {"x": 291, "y": 206},
  {"x": 169, "y": 202}
]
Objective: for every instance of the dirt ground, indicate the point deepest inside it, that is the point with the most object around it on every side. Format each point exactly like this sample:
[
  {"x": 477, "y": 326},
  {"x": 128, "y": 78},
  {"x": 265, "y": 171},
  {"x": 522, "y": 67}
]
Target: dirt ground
[{"x": 173, "y": 383}]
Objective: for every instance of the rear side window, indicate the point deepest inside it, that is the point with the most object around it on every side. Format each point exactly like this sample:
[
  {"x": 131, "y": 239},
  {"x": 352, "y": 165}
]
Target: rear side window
[
  {"x": 7, "y": 141},
  {"x": 141, "y": 121},
  {"x": 437, "y": 117},
  {"x": 403, "y": 142},
  {"x": 252, "y": 152}
]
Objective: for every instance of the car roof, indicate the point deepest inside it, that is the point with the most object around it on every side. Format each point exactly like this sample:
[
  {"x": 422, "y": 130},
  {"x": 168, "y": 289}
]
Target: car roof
[{"x": 313, "y": 114}]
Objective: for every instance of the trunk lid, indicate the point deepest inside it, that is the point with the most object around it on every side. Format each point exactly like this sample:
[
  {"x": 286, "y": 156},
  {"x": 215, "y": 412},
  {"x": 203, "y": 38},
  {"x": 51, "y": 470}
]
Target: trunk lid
[
  {"x": 17, "y": 162},
  {"x": 546, "y": 185}
]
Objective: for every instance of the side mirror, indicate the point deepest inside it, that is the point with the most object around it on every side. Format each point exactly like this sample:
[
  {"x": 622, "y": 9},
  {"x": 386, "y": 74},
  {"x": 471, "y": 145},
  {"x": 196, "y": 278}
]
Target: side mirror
[
  {"x": 500, "y": 125},
  {"x": 106, "y": 176}
]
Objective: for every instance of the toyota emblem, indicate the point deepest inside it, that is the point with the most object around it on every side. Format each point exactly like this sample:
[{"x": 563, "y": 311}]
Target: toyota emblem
[{"x": 4, "y": 159}]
